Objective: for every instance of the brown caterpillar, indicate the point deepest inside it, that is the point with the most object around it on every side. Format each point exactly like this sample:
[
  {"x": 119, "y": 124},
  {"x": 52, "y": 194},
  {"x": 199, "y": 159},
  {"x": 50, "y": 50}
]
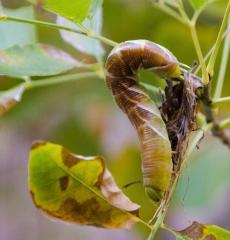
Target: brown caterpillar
[{"x": 121, "y": 73}]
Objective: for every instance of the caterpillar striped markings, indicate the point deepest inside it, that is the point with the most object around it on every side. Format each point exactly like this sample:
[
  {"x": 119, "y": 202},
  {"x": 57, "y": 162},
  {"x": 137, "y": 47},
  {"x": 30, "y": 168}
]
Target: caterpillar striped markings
[{"x": 121, "y": 74}]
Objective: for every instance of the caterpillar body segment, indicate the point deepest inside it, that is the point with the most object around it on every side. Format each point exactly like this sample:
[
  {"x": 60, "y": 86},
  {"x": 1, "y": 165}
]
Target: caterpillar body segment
[{"x": 121, "y": 73}]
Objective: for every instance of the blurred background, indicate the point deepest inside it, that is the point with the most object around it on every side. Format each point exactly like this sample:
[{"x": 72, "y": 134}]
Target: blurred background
[{"x": 82, "y": 116}]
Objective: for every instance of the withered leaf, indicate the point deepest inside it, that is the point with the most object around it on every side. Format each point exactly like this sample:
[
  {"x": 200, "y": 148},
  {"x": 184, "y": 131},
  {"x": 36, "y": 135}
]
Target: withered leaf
[{"x": 77, "y": 189}]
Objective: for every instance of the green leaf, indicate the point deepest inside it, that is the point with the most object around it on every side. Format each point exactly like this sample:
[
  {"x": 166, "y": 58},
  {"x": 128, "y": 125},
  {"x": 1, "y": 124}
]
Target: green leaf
[
  {"x": 10, "y": 97},
  {"x": 17, "y": 33},
  {"x": 34, "y": 60},
  {"x": 77, "y": 189},
  {"x": 198, "y": 3},
  {"x": 75, "y": 11},
  {"x": 94, "y": 7},
  {"x": 198, "y": 231},
  {"x": 83, "y": 43}
]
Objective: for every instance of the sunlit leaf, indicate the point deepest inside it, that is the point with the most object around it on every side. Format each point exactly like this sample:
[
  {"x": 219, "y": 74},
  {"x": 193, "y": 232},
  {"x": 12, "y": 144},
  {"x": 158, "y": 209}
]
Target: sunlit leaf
[
  {"x": 34, "y": 60},
  {"x": 77, "y": 189},
  {"x": 199, "y": 3},
  {"x": 75, "y": 11},
  {"x": 10, "y": 97},
  {"x": 82, "y": 43},
  {"x": 17, "y": 33},
  {"x": 198, "y": 231}
]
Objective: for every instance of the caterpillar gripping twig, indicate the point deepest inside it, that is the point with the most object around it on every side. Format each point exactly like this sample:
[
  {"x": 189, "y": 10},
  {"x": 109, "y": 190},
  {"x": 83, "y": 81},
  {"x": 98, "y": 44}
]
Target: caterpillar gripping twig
[{"x": 121, "y": 73}]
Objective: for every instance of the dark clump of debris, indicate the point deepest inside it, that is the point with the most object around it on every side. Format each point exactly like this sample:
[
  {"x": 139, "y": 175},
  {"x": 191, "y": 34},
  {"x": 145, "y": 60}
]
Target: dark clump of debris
[{"x": 179, "y": 110}]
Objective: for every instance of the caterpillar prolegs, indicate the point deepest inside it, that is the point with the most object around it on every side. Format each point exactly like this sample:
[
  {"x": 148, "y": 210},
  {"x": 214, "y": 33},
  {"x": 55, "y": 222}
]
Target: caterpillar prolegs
[{"x": 121, "y": 73}]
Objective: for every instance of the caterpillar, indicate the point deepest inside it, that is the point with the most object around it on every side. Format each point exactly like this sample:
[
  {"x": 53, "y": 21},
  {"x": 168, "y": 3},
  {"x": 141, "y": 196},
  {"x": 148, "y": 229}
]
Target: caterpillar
[{"x": 121, "y": 75}]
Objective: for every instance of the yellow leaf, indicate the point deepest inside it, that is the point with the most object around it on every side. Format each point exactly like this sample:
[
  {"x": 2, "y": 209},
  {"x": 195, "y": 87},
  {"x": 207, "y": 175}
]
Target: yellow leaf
[{"x": 77, "y": 189}]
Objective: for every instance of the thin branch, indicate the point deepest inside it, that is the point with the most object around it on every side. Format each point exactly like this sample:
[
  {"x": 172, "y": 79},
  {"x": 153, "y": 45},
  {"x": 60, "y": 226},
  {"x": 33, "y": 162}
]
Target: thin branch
[
  {"x": 223, "y": 65},
  {"x": 183, "y": 12},
  {"x": 210, "y": 67},
  {"x": 200, "y": 10},
  {"x": 45, "y": 24},
  {"x": 86, "y": 32},
  {"x": 211, "y": 50},
  {"x": 205, "y": 78},
  {"x": 59, "y": 79},
  {"x": 169, "y": 11}
]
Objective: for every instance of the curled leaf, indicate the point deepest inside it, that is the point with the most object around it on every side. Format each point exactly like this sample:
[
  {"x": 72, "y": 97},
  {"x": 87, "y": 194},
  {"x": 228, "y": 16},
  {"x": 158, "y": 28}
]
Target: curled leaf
[{"x": 77, "y": 189}]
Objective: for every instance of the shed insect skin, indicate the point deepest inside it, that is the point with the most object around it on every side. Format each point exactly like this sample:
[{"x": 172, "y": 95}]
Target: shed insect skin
[{"x": 121, "y": 74}]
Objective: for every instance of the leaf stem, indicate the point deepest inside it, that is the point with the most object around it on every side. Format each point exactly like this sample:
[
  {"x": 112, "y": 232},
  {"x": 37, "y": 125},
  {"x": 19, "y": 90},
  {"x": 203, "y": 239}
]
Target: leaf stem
[
  {"x": 211, "y": 50},
  {"x": 152, "y": 234},
  {"x": 183, "y": 18},
  {"x": 223, "y": 65},
  {"x": 183, "y": 13},
  {"x": 60, "y": 79},
  {"x": 205, "y": 77},
  {"x": 169, "y": 11},
  {"x": 197, "y": 12},
  {"x": 41, "y": 23},
  {"x": 93, "y": 34},
  {"x": 161, "y": 216},
  {"x": 210, "y": 67},
  {"x": 85, "y": 32},
  {"x": 105, "y": 40}
]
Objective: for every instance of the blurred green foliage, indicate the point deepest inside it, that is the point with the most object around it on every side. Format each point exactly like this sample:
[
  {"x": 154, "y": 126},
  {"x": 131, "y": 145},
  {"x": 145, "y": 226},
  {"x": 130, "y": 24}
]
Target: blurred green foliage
[{"x": 82, "y": 116}]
